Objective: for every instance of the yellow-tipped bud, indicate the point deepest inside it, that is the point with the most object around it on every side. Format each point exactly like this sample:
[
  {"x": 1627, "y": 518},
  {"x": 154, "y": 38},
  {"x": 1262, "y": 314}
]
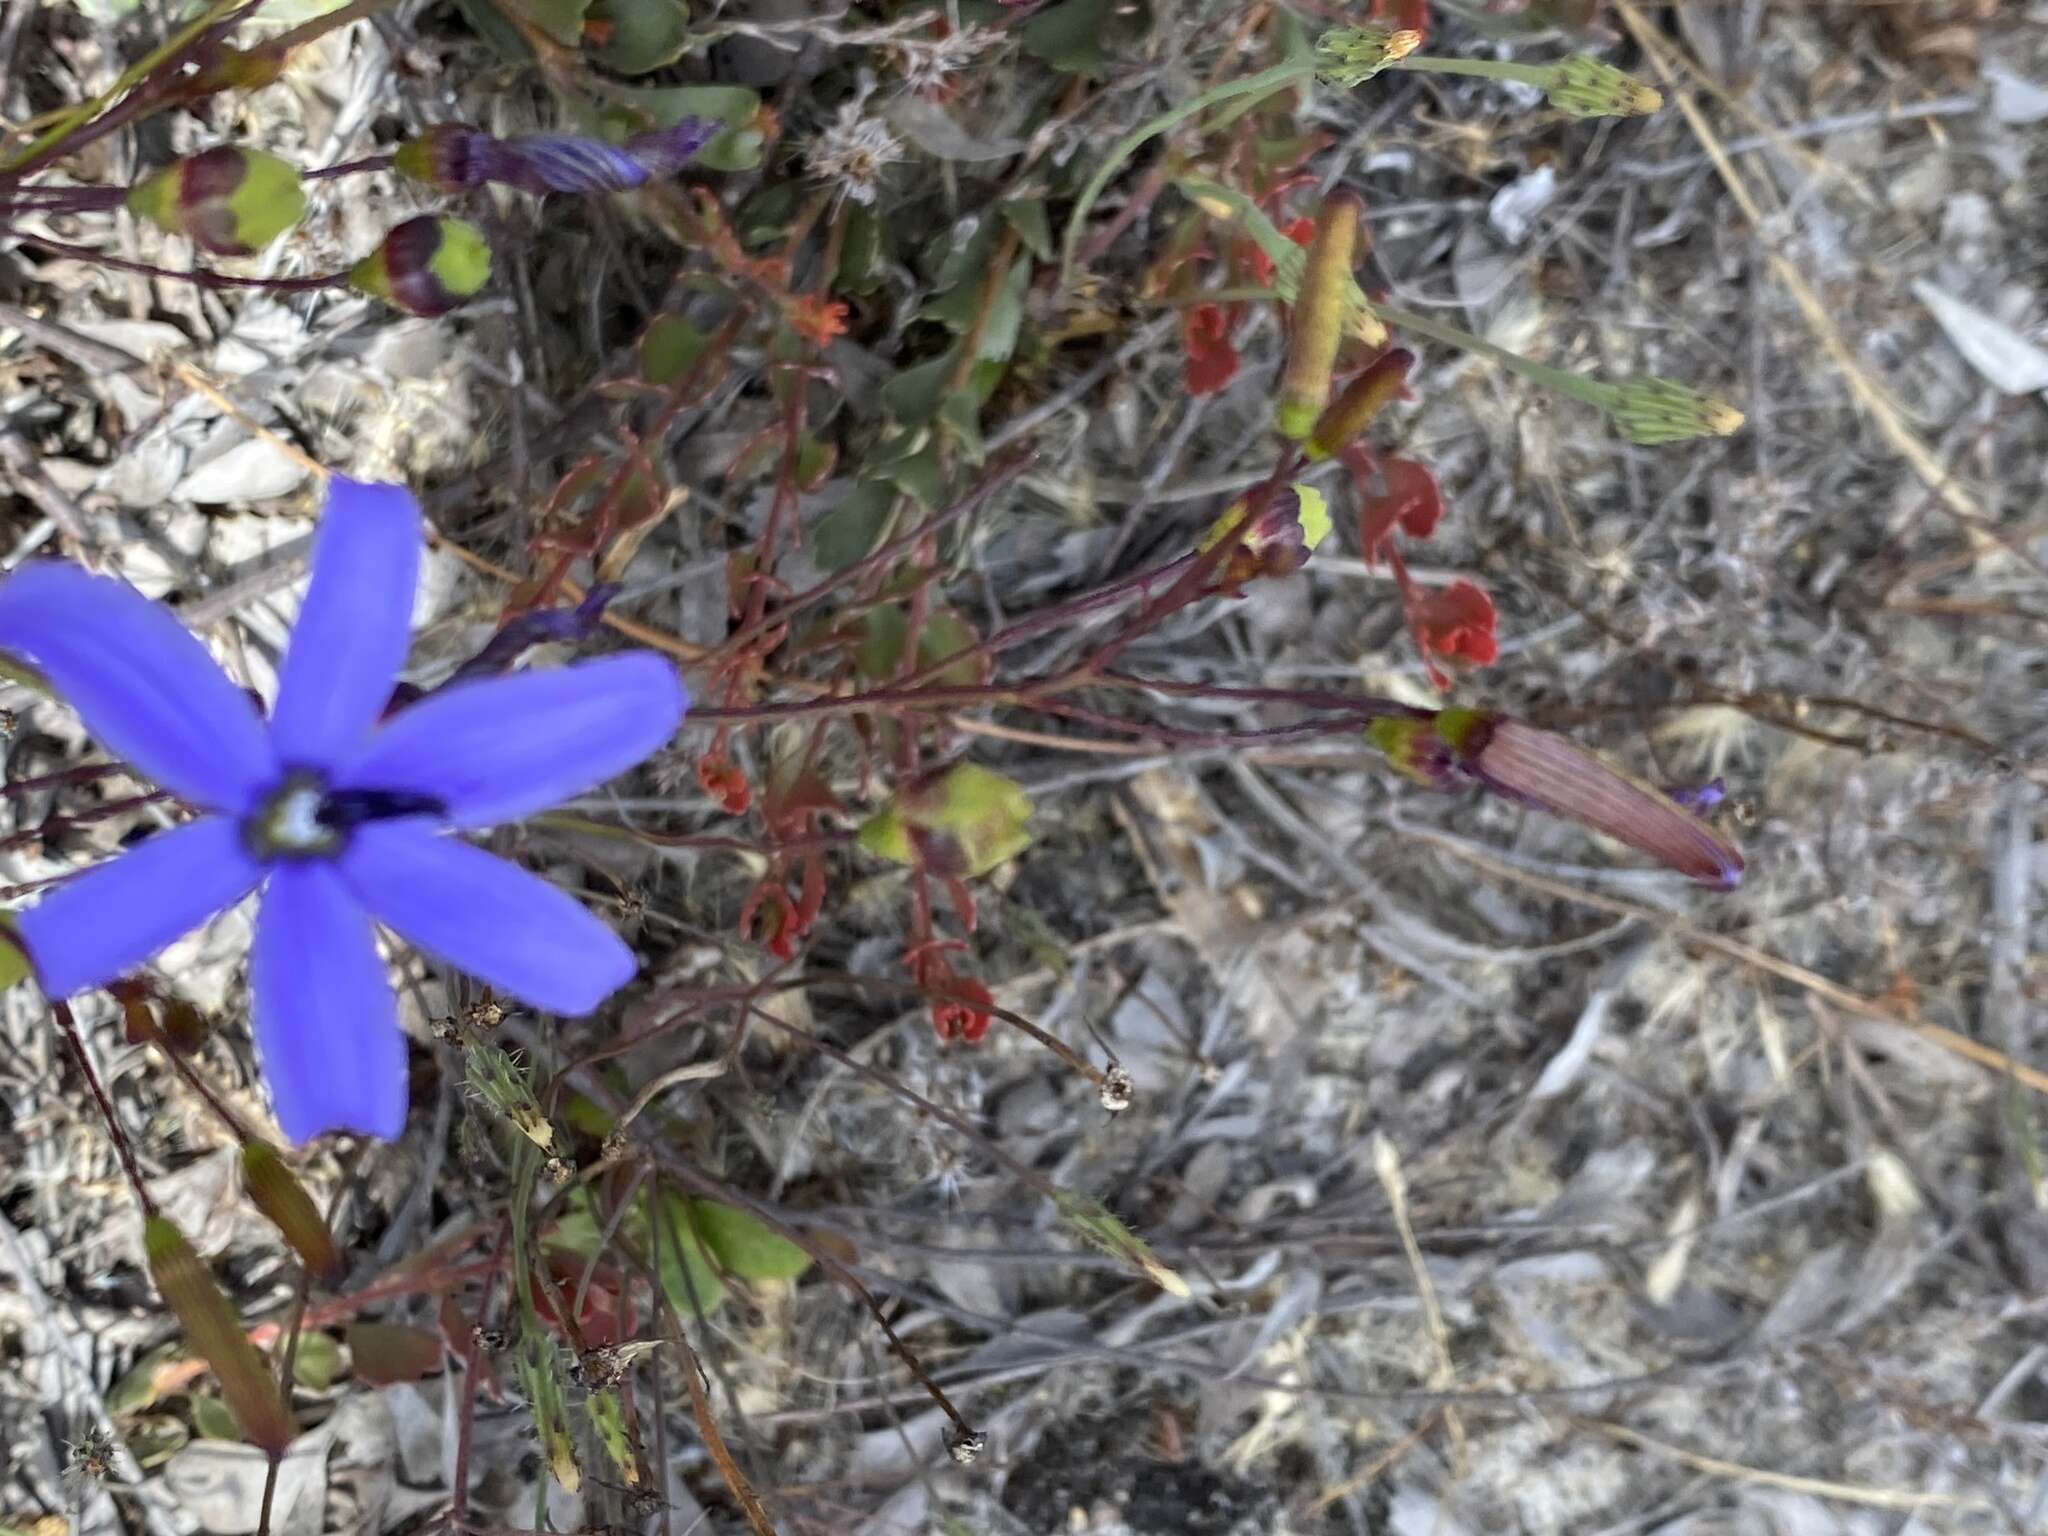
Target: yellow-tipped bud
[
  {"x": 1317, "y": 327},
  {"x": 1583, "y": 86},
  {"x": 279, "y": 1195},
  {"x": 1654, "y": 411},
  {"x": 215, "y": 1333}
]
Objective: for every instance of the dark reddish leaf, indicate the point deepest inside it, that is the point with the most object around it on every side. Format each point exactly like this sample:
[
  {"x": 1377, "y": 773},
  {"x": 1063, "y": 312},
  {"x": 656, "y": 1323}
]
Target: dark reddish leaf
[
  {"x": 387, "y": 1353},
  {"x": 1410, "y": 501},
  {"x": 1212, "y": 360}
]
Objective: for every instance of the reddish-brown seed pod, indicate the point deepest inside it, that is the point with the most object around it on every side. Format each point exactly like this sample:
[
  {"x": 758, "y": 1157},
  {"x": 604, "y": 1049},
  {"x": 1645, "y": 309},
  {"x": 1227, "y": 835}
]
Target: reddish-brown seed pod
[
  {"x": 1543, "y": 769},
  {"x": 279, "y": 1195},
  {"x": 1360, "y": 402},
  {"x": 215, "y": 1333},
  {"x": 1317, "y": 327}
]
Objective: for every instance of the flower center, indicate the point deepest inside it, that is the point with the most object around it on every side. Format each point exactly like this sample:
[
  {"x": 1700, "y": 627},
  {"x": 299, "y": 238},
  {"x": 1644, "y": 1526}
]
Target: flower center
[
  {"x": 289, "y": 825},
  {"x": 304, "y": 819}
]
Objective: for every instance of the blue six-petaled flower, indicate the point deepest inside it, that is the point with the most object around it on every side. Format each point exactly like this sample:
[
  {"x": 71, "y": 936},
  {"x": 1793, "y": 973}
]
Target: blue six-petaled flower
[{"x": 341, "y": 821}]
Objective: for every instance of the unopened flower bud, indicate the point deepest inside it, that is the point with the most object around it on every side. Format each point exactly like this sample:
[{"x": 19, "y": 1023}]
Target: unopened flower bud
[
  {"x": 215, "y": 1333},
  {"x": 228, "y": 201},
  {"x": 1295, "y": 520},
  {"x": 1350, "y": 56},
  {"x": 1654, "y": 411},
  {"x": 454, "y": 158},
  {"x": 279, "y": 1195},
  {"x": 1583, "y": 86},
  {"x": 426, "y": 266},
  {"x": 1360, "y": 402},
  {"x": 1317, "y": 326},
  {"x": 1542, "y": 769}
]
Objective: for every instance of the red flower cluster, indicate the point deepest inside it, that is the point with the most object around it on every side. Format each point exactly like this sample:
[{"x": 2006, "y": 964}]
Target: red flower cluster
[
  {"x": 960, "y": 1004},
  {"x": 1456, "y": 621}
]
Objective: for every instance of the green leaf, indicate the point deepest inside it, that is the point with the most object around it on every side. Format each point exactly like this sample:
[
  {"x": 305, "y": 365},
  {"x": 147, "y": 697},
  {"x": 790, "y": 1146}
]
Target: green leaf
[
  {"x": 853, "y": 528},
  {"x": 213, "y": 1418},
  {"x": 1091, "y": 1221},
  {"x": 1006, "y": 315},
  {"x": 1026, "y": 215},
  {"x": 960, "y": 415},
  {"x": 737, "y": 148},
  {"x": 317, "y": 1362},
  {"x": 862, "y": 253},
  {"x": 561, "y": 20},
  {"x": 883, "y": 633},
  {"x": 947, "y": 634},
  {"x": 913, "y": 396},
  {"x": 688, "y": 1276},
  {"x": 382, "y": 1354},
  {"x": 745, "y": 1245},
  {"x": 670, "y": 349},
  {"x": 608, "y": 1422},
  {"x": 1068, "y": 36},
  {"x": 919, "y": 474},
  {"x": 643, "y": 35},
  {"x": 13, "y": 962}
]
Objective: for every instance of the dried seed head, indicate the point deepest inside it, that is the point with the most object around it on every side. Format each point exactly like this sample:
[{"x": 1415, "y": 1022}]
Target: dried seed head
[
  {"x": 965, "y": 1446},
  {"x": 485, "y": 1013},
  {"x": 853, "y": 152},
  {"x": 1117, "y": 1088}
]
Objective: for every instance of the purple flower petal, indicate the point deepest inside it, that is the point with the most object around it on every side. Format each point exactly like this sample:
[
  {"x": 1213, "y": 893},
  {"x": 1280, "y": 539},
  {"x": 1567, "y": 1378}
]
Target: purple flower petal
[
  {"x": 504, "y": 748},
  {"x": 145, "y": 687},
  {"x": 485, "y": 916},
  {"x": 326, "y": 1022},
  {"x": 355, "y": 625},
  {"x": 116, "y": 915}
]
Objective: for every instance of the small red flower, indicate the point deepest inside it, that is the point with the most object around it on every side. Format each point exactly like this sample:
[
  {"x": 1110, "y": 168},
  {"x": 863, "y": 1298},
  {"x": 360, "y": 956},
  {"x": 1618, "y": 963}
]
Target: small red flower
[
  {"x": 1410, "y": 501},
  {"x": 723, "y": 781},
  {"x": 1455, "y": 621},
  {"x": 1212, "y": 360},
  {"x": 965, "y": 1017},
  {"x": 1301, "y": 232},
  {"x": 817, "y": 320}
]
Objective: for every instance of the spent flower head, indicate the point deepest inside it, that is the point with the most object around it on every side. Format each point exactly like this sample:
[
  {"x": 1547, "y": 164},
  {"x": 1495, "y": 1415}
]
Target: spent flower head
[
  {"x": 852, "y": 152},
  {"x": 341, "y": 822}
]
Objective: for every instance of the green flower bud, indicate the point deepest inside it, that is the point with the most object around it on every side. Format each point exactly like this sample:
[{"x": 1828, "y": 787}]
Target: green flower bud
[
  {"x": 1350, "y": 56},
  {"x": 1659, "y": 411},
  {"x": 426, "y": 266},
  {"x": 228, "y": 201},
  {"x": 1583, "y": 86}
]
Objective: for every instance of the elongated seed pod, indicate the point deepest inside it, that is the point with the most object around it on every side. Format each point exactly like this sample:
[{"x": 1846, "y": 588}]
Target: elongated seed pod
[
  {"x": 279, "y": 1195},
  {"x": 1318, "y": 323},
  {"x": 1543, "y": 769},
  {"x": 215, "y": 1333},
  {"x": 1360, "y": 401}
]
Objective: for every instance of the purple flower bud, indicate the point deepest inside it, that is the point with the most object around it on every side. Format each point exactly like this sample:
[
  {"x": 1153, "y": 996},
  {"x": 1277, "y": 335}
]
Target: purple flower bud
[
  {"x": 1542, "y": 769},
  {"x": 455, "y": 159}
]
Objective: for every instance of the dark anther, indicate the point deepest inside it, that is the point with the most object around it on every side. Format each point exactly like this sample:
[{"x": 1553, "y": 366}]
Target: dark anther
[{"x": 342, "y": 809}]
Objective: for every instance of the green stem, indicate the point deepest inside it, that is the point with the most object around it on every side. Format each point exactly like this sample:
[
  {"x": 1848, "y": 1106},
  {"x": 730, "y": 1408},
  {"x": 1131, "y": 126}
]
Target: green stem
[
  {"x": 1538, "y": 75},
  {"x": 1578, "y": 386}
]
